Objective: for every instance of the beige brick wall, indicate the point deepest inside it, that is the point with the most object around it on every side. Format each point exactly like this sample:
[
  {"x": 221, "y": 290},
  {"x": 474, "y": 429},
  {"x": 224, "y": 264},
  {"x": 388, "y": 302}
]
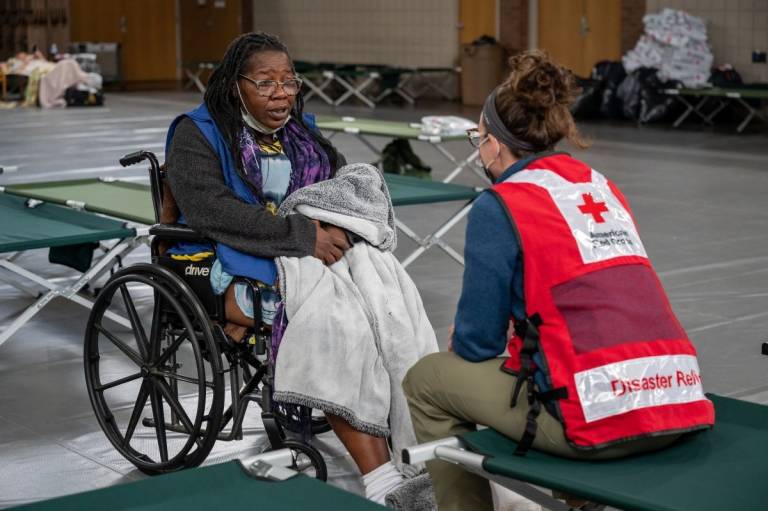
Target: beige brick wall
[
  {"x": 393, "y": 32},
  {"x": 735, "y": 28}
]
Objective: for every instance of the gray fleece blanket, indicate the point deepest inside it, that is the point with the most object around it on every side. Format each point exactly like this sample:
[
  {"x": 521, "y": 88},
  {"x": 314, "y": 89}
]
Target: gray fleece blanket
[{"x": 356, "y": 327}]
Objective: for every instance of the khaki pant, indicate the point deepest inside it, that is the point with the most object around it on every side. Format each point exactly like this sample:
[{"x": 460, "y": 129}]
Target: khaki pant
[{"x": 448, "y": 396}]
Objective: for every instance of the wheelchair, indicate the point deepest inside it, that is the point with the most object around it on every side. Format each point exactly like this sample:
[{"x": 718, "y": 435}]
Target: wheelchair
[{"x": 158, "y": 390}]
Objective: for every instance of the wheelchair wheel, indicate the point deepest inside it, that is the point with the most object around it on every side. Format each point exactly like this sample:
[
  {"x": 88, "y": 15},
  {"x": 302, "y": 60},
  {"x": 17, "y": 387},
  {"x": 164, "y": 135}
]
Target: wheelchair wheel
[
  {"x": 290, "y": 418},
  {"x": 307, "y": 460},
  {"x": 157, "y": 387}
]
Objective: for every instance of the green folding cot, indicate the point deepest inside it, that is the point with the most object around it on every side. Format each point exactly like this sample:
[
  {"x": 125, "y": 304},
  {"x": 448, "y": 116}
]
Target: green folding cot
[
  {"x": 718, "y": 469},
  {"x": 229, "y": 486},
  {"x": 132, "y": 201},
  {"x": 108, "y": 196},
  {"x": 32, "y": 224},
  {"x": 363, "y": 128},
  {"x": 722, "y": 96}
]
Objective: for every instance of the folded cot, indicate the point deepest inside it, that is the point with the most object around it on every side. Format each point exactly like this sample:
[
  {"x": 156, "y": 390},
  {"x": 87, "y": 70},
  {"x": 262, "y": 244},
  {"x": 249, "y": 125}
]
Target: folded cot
[
  {"x": 29, "y": 225},
  {"x": 722, "y": 468}
]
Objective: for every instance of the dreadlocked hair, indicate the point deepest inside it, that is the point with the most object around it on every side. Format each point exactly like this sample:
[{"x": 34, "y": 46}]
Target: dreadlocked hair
[{"x": 224, "y": 105}]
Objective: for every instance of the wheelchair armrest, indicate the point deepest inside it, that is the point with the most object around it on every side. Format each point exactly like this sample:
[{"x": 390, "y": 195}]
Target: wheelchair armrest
[{"x": 176, "y": 232}]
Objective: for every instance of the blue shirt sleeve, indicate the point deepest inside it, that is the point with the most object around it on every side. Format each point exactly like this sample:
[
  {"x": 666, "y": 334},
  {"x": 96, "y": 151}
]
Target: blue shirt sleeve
[{"x": 492, "y": 289}]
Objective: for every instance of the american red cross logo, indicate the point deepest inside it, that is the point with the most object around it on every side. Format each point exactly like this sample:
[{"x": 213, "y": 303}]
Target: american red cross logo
[{"x": 590, "y": 207}]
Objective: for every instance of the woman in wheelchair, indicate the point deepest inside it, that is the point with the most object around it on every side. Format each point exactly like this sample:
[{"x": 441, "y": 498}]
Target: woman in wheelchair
[{"x": 230, "y": 164}]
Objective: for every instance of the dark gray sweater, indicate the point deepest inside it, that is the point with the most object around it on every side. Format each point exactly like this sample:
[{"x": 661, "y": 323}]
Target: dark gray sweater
[{"x": 212, "y": 209}]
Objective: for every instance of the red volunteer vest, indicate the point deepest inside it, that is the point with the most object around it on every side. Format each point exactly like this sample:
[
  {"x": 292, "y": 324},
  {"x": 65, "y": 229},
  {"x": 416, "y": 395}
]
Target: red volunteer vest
[{"x": 610, "y": 343}]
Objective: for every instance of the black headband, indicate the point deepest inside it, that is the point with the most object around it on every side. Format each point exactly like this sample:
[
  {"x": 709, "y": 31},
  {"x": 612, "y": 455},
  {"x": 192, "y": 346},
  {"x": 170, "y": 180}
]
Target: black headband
[{"x": 495, "y": 126}]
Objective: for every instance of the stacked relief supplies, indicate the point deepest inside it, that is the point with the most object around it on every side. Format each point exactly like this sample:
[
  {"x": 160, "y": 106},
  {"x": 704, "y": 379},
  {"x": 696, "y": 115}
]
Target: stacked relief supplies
[{"x": 675, "y": 43}]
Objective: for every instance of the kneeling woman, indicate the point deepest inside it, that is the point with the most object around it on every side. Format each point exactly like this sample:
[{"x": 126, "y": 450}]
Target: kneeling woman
[
  {"x": 230, "y": 162},
  {"x": 598, "y": 365}
]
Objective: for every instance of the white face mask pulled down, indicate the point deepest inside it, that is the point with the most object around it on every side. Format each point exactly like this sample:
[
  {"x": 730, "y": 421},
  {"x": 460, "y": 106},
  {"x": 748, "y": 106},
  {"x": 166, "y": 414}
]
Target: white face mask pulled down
[{"x": 251, "y": 120}]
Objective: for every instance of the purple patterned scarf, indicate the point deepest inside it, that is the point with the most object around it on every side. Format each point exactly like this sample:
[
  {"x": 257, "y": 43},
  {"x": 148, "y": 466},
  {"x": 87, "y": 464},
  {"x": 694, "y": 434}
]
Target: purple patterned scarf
[{"x": 309, "y": 165}]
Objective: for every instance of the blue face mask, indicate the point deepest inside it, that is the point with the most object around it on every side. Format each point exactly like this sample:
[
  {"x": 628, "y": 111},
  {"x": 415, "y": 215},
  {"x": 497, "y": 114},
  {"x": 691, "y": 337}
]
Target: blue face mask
[{"x": 251, "y": 120}]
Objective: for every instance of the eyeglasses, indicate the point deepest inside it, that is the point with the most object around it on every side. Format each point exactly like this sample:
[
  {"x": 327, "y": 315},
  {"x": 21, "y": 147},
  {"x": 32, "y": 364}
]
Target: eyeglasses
[
  {"x": 475, "y": 138},
  {"x": 267, "y": 88}
]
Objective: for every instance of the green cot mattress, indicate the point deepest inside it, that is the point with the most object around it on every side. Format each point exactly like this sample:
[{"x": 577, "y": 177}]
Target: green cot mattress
[
  {"x": 48, "y": 225},
  {"x": 723, "y": 468},
  {"x": 120, "y": 199},
  {"x": 223, "y": 486},
  {"x": 409, "y": 190}
]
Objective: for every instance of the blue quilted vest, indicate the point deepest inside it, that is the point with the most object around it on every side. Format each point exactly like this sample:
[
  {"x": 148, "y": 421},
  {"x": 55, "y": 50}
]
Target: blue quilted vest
[{"x": 232, "y": 261}]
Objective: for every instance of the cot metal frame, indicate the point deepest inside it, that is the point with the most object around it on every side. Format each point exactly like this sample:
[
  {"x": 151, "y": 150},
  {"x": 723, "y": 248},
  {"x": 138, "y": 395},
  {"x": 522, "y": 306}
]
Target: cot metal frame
[
  {"x": 355, "y": 85},
  {"x": 194, "y": 73},
  {"x": 434, "y": 239},
  {"x": 723, "y": 100},
  {"x": 439, "y": 85},
  {"x": 317, "y": 89},
  {"x": 452, "y": 450},
  {"x": 435, "y": 140},
  {"x": 19, "y": 277}
]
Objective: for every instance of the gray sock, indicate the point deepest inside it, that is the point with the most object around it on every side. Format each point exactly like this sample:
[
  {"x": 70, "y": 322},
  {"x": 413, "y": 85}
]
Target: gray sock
[{"x": 416, "y": 494}]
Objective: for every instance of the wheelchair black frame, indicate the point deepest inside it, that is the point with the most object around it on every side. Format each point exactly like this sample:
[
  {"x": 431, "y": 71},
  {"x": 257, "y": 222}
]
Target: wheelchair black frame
[{"x": 246, "y": 371}]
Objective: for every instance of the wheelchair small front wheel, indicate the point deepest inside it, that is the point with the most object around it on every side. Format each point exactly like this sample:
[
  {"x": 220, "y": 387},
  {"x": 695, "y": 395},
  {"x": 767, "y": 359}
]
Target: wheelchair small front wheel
[
  {"x": 153, "y": 370},
  {"x": 306, "y": 460}
]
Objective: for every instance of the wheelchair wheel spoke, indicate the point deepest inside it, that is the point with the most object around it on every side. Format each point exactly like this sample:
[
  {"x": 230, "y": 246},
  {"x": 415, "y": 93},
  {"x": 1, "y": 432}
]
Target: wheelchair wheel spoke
[
  {"x": 170, "y": 350},
  {"x": 173, "y": 402},
  {"x": 138, "y": 328},
  {"x": 102, "y": 388},
  {"x": 129, "y": 352},
  {"x": 187, "y": 379},
  {"x": 141, "y": 400},
  {"x": 158, "y": 414}
]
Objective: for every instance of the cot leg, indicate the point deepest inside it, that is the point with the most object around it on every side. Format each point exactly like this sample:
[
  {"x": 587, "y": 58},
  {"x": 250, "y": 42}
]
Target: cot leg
[
  {"x": 403, "y": 86},
  {"x": 315, "y": 89},
  {"x": 752, "y": 114},
  {"x": 367, "y": 143},
  {"x": 356, "y": 91},
  {"x": 435, "y": 238},
  {"x": 688, "y": 110},
  {"x": 461, "y": 165},
  {"x": 194, "y": 78},
  {"x": 711, "y": 115},
  {"x": 440, "y": 87},
  {"x": 69, "y": 292}
]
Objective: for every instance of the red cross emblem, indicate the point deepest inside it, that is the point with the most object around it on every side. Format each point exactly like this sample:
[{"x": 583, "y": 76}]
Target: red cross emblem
[{"x": 590, "y": 207}]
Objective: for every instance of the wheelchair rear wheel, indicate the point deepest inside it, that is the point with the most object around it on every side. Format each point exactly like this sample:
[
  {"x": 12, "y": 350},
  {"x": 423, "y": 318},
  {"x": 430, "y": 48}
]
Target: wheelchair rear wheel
[{"x": 157, "y": 389}]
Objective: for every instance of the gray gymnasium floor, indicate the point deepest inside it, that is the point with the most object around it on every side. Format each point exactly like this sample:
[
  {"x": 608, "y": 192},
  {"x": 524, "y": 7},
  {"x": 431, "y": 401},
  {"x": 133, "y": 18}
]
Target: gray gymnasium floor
[{"x": 699, "y": 198}]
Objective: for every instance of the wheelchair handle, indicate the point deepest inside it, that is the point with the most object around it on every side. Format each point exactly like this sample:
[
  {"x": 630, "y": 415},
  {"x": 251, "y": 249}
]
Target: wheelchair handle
[
  {"x": 154, "y": 176},
  {"x": 133, "y": 158}
]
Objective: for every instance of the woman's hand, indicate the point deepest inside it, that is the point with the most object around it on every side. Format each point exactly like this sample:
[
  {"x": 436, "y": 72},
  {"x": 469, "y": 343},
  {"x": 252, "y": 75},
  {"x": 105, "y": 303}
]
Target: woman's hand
[
  {"x": 451, "y": 331},
  {"x": 331, "y": 243}
]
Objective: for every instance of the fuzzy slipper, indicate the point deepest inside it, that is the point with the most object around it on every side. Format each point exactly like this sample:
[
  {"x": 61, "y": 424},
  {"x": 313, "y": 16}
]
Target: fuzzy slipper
[{"x": 415, "y": 494}]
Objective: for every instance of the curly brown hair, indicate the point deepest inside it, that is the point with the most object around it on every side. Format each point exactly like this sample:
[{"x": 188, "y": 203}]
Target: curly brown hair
[{"x": 533, "y": 102}]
